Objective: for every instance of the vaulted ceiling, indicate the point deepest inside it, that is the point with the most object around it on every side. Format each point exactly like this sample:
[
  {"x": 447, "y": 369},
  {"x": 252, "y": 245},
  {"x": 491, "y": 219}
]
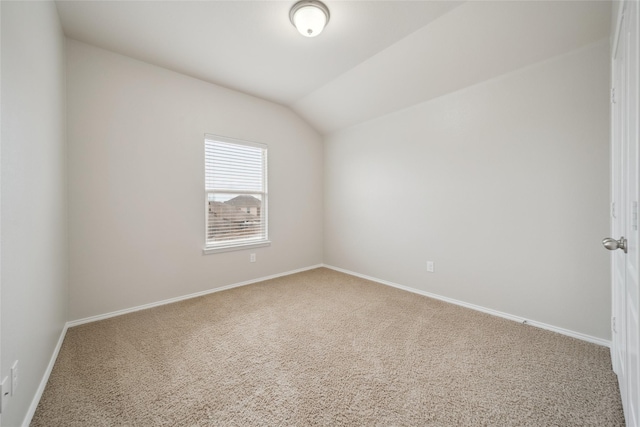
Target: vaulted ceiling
[{"x": 373, "y": 58}]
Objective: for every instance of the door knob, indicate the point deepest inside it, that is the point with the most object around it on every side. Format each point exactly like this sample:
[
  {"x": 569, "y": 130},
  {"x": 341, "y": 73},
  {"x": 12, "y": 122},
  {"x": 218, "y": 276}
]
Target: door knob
[{"x": 613, "y": 244}]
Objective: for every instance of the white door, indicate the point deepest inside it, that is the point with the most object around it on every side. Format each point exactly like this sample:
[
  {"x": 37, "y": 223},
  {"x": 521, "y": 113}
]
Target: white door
[{"x": 624, "y": 225}]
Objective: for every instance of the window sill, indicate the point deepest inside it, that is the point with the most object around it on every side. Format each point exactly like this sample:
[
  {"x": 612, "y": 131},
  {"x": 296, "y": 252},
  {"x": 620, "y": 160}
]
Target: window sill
[{"x": 237, "y": 247}]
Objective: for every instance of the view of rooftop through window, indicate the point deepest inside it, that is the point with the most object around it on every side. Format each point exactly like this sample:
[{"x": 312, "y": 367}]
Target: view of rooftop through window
[{"x": 233, "y": 216}]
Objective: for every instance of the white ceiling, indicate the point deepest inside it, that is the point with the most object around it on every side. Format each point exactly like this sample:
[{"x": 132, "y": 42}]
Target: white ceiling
[
  {"x": 246, "y": 45},
  {"x": 374, "y": 57}
]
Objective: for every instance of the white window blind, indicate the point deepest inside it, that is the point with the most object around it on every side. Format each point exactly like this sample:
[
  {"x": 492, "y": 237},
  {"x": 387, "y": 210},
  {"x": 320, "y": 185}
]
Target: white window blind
[{"x": 236, "y": 193}]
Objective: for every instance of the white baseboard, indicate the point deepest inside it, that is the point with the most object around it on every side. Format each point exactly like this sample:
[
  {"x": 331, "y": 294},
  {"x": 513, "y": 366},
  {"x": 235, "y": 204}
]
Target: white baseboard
[
  {"x": 184, "y": 297},
  {"x": 45, "y": 378},
  {"x": 508, "y": 316}
]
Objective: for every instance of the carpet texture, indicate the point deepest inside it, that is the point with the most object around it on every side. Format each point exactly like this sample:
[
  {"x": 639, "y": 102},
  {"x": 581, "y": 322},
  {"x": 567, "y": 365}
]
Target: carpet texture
[{"x": 325, "y": 348}]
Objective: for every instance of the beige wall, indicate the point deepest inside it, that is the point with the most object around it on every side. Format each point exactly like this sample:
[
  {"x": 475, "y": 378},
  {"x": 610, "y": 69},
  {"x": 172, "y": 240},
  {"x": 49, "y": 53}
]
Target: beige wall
[
  {"x": 504, "y": 185},
  {"x": 34, "y": 197},
  {"x": 136, "y": 183}
]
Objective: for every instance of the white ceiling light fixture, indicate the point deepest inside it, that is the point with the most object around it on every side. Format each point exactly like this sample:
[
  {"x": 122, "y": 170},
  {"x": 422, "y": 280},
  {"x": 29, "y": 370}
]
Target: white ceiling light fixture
[{"x": 309, "y": 17}]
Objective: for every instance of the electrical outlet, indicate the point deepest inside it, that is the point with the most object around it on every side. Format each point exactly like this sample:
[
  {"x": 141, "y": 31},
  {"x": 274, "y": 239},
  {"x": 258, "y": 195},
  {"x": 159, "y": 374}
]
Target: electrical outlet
[
  {"x": 252, "y": 258},
  {"x": 4, "y": 394},
  {"x": 14, "y": 378},
  {"x": 430, "y": 266}
]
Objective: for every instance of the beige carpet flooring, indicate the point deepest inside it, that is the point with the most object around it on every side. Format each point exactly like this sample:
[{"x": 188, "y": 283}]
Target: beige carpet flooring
[{"x": 322, "y": 348}]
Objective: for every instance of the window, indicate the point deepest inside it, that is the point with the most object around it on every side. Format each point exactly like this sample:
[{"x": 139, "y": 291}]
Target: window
[{"x": 236, "y": 194}]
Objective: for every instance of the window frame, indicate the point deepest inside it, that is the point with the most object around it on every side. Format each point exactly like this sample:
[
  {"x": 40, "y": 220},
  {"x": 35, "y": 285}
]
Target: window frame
[{"x": 237, "y": 244}]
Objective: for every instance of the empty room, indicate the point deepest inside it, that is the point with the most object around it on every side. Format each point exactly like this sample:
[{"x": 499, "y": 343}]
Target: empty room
[{"x": 319, "y": 213}]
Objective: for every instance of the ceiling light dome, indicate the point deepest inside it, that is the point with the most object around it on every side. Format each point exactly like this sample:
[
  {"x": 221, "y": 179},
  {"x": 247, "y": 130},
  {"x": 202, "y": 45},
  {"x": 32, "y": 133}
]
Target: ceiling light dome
[{"x": 309, "y": 17}]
